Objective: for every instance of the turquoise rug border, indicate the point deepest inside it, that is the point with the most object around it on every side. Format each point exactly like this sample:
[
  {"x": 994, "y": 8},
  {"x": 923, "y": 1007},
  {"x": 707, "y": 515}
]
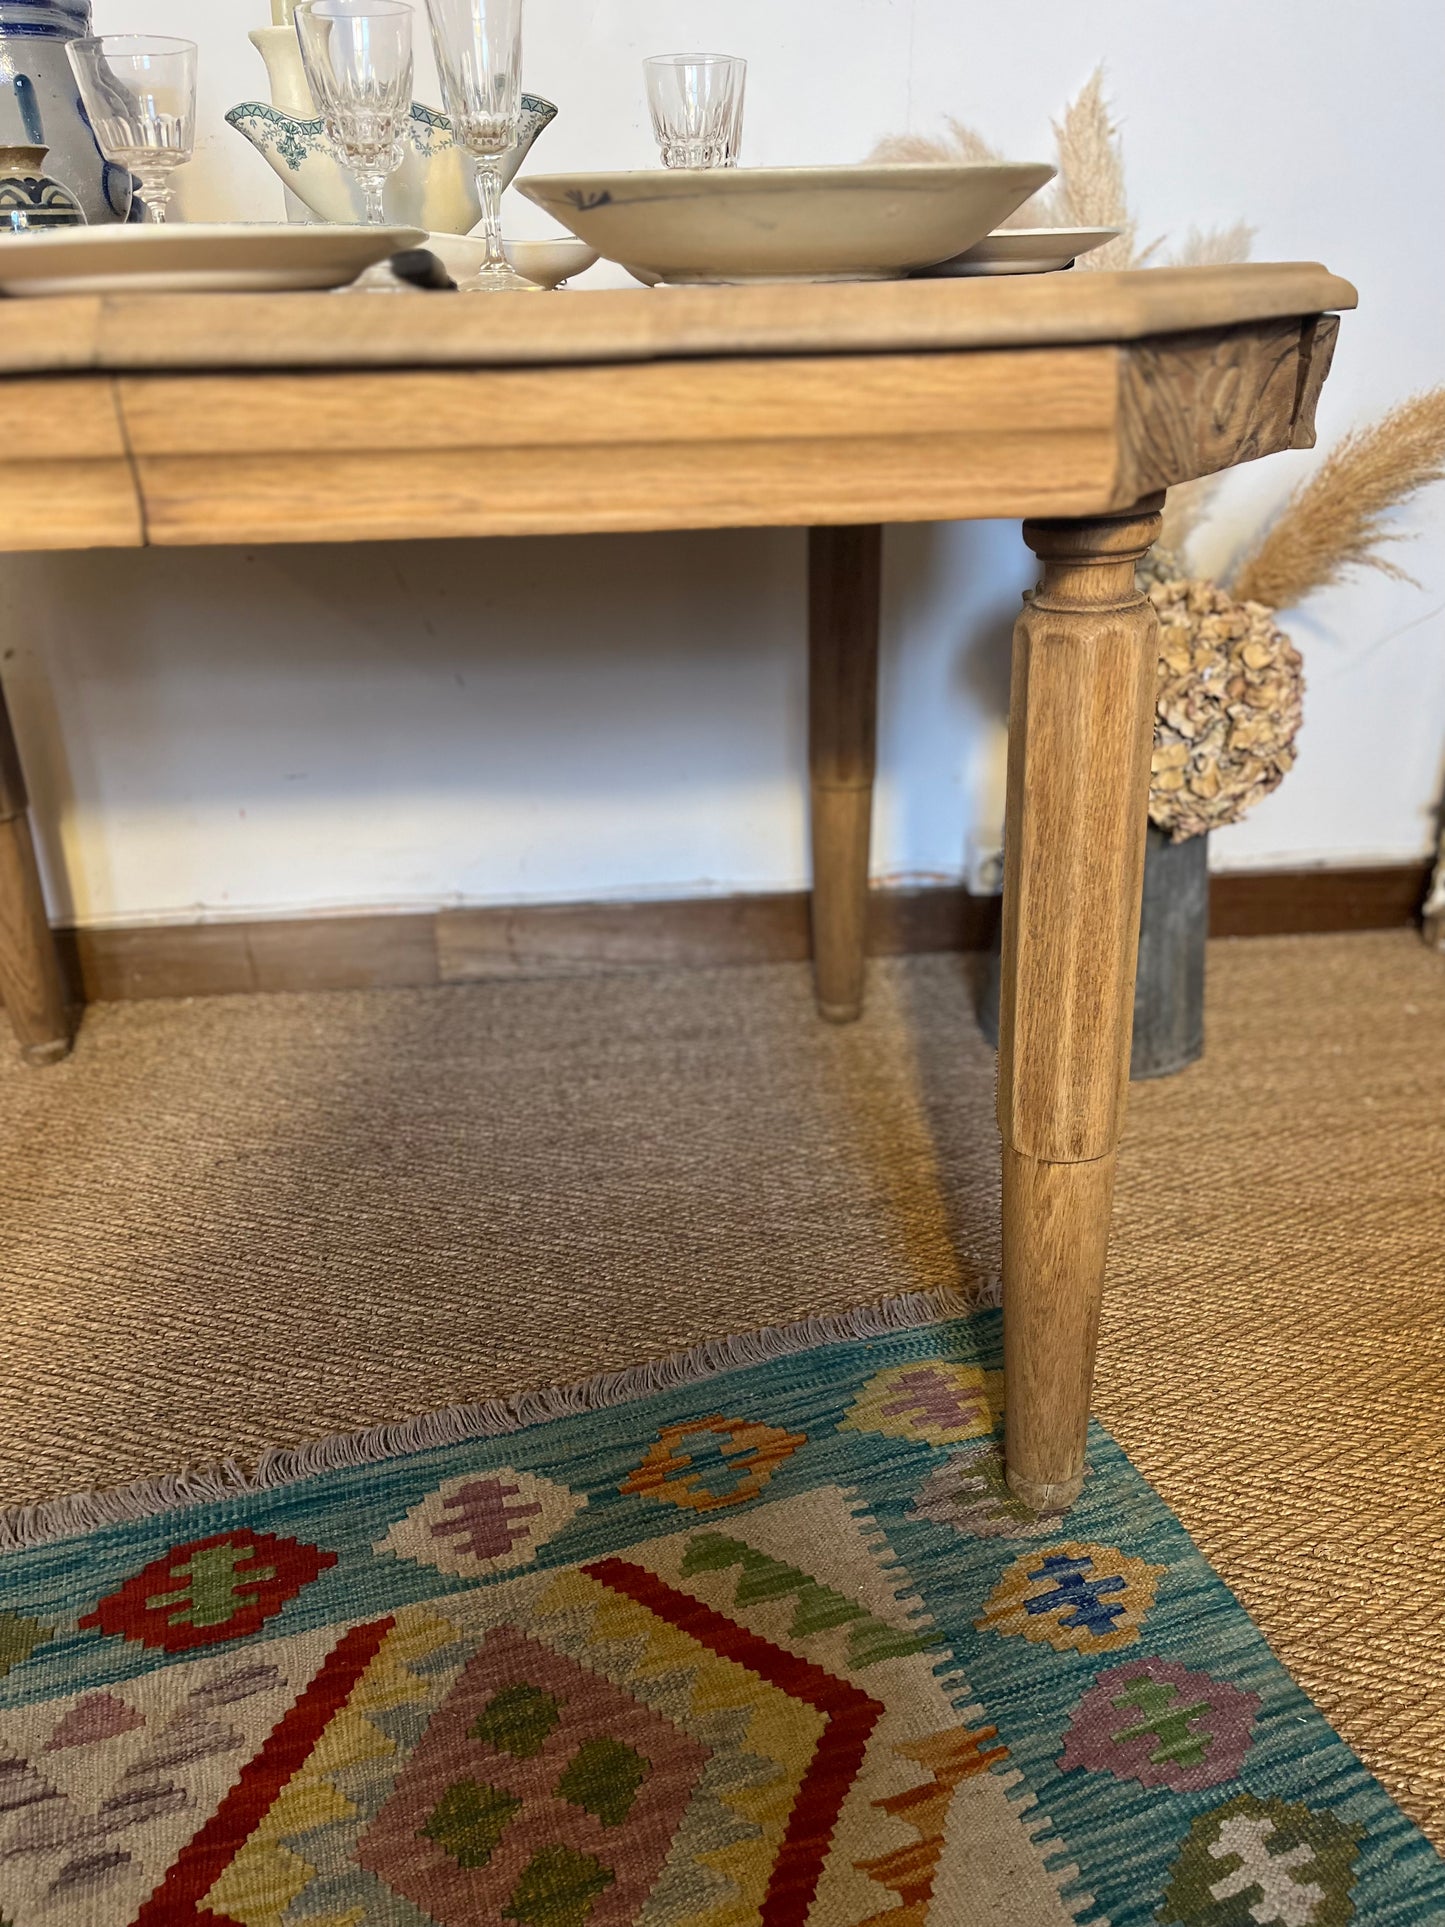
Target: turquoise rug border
[{"x": 1025, "y": 1690}]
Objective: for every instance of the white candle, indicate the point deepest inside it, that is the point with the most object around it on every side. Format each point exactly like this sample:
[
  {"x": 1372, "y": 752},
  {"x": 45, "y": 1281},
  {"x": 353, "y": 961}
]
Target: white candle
[{"x": 283, "y": 13}]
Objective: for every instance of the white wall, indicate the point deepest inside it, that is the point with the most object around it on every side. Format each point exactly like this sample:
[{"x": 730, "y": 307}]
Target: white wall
[{"x": 238, "y": 732}]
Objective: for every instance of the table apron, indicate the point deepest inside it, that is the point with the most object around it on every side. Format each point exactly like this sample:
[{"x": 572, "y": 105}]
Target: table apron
[{"x": 101, "y": 460}]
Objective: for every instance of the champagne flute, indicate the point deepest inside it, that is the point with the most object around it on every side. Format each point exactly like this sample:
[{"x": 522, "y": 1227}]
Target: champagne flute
[
  {"x": 479, "y": 57},
  {"x": 358, "y": 60},
  {"x": 139, "y": 93}
]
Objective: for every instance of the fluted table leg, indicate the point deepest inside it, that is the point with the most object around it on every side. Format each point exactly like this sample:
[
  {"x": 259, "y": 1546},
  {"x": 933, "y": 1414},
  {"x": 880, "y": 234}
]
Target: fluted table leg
[{"x": 1081, "y": 724}]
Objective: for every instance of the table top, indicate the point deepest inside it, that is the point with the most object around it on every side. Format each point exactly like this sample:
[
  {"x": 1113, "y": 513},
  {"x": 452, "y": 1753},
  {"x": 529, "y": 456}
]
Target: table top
[
  {"x": 154, "y": 332},
  {"x": 179, "y": 420}
]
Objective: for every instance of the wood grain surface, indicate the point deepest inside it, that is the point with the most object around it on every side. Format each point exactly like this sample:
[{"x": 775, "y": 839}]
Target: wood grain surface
[
  {"x": 1056, "y": 1222},
  {"x": 1081, "y": 729},
  {"x": 65, "y": 477},
  {"x": 363, "y": 455},
  {"x": 292, "y": 418},
  {"x": 317, "y": 330},
  {"x": 31, "y": 985},
  {"x": 845, "y": 585},
  {"x": 1317, "y": 354},
  {"x": 1192, "y": 404}
]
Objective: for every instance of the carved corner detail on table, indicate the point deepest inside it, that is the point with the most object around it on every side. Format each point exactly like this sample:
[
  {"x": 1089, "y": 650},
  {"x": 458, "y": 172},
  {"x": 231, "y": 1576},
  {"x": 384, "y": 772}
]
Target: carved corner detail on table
[
  {"x": 1317, "y": 352},
  {"x": 1193, "y": 404}
]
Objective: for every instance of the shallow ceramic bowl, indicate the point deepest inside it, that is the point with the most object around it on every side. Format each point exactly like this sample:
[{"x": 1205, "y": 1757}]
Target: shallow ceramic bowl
[
  {"x": 744, "y": 224},
  {"x": 1022, "y": 250},
  {"x": 550, "y": 263}
]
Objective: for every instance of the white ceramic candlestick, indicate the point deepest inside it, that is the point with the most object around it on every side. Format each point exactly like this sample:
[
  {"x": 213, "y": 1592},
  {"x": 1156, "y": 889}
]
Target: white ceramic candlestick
[{"x": 281, "y": 51}]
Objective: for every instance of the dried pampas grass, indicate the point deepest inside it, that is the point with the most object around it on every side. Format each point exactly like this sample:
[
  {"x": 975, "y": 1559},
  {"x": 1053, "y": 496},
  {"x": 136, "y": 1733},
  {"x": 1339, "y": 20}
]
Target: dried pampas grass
[
  {"x": 1230, "y": 682},
  {"x": 1216, "y": 247},
  {"x": 1186, "y": 506},
  {"x": 968, "y": 145},
  {"x": 1336, "y": 522},
  {"x": 1090, "y": 190},
  {"x": 900, "y": 149}
]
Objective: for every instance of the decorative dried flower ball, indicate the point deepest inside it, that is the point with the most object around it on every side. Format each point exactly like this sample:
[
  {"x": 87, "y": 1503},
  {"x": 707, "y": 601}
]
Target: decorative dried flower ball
[{"x": 1229, "y": 707}]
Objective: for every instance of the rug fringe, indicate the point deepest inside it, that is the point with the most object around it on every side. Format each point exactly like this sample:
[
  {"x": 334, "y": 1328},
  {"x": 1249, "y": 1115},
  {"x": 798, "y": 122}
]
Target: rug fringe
[{"x": 25, "y": 1527}]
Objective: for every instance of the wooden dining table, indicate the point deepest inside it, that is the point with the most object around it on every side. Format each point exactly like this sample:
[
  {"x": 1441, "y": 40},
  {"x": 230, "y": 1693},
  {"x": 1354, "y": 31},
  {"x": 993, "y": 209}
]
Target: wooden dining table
[{"x": 1071, "y": 401}]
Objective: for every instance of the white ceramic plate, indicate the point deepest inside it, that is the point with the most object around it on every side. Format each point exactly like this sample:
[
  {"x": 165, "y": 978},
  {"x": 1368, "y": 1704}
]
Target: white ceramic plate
[
  {"x": 1022, "y": 250},
  {"x": 239, "y": 259},
  {"x": 739, "y": 224}
]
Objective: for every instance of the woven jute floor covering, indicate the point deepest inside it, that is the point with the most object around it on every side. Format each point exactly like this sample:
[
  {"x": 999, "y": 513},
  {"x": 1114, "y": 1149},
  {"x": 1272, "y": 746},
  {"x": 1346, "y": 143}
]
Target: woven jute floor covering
[{"x": 236, "y": 1224}]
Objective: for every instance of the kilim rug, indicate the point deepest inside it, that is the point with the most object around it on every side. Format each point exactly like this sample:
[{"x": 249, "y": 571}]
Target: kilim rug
[{"x": 767, "y": 1646}]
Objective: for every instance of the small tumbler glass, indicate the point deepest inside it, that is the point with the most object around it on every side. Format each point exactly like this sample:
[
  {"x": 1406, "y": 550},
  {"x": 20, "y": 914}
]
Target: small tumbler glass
[
  {"x": 697, "y": 107},
  {"x": 139, "y": 91}
]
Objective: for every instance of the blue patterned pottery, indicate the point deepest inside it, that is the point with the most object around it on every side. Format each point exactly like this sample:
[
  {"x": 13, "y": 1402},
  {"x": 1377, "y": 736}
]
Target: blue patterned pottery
[
  {"x": 40, "y": 105},
  {"x": 29, "y": 199}
]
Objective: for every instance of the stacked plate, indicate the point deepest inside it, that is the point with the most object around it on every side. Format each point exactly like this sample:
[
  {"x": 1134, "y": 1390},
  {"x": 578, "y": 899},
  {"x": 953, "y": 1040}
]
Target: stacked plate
[
  {"x": 259, "y": 259},
  {"x": 679, "y": 226},
  {"x": 1021, "y": 250}
]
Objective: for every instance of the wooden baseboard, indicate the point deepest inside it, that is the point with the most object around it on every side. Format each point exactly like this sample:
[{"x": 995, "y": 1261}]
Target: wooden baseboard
[
  {"x": 376, "y": 952},
  {"x": 1289, "y": 903}
]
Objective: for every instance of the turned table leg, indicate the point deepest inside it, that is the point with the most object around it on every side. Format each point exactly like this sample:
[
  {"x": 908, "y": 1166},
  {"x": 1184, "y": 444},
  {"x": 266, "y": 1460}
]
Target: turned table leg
[
  {"x": 30, "y": 980},
  {"x": 1081, "y": 729},
  {"x": 844, "y": 585}
]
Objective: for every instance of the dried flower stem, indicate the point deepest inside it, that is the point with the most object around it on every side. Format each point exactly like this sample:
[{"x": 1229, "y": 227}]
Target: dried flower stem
[
  {"x": 1091, "y": 190},
  {"x": 966, "y": 144},
  {"x": 1336, "y": 522}
]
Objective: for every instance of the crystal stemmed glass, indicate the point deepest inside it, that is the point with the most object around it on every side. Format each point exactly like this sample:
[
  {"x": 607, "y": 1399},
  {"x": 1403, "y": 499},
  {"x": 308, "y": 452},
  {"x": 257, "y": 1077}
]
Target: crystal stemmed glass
[
  {"x": 697, "y": 107},
  {"x": 358, "y": 60},
  {"x": 139, "y": 91},
  {"x": 479, "y": 57}
]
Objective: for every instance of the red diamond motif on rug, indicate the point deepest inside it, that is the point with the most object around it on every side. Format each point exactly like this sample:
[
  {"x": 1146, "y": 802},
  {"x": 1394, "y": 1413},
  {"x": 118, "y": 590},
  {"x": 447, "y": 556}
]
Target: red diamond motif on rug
[
  {"x": 851, "y": 1715},
  {"x": 209, "y": 1590}
]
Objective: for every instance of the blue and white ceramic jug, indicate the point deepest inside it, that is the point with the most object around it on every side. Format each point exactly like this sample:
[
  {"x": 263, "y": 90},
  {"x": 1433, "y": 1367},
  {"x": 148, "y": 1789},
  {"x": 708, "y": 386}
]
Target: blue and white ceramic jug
[{"x": 40, "y": 104}]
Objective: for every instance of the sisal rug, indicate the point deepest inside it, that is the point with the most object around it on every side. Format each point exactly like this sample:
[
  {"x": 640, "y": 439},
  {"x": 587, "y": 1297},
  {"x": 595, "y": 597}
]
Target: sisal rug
[{"x": 756, "y": 1638}]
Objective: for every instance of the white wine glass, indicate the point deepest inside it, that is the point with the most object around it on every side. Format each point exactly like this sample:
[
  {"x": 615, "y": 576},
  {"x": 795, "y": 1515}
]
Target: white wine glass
[
  {"x": 139, "y": 93},
  {"x": 479, "y": 57},
  {"x": 359, "y": 60}
]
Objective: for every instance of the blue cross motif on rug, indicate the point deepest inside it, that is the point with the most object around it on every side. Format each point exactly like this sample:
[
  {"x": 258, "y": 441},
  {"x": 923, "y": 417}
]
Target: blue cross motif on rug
[
  {"x": 1073, "y": 1589},
  {"x": 1076, "y": 1598}
]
